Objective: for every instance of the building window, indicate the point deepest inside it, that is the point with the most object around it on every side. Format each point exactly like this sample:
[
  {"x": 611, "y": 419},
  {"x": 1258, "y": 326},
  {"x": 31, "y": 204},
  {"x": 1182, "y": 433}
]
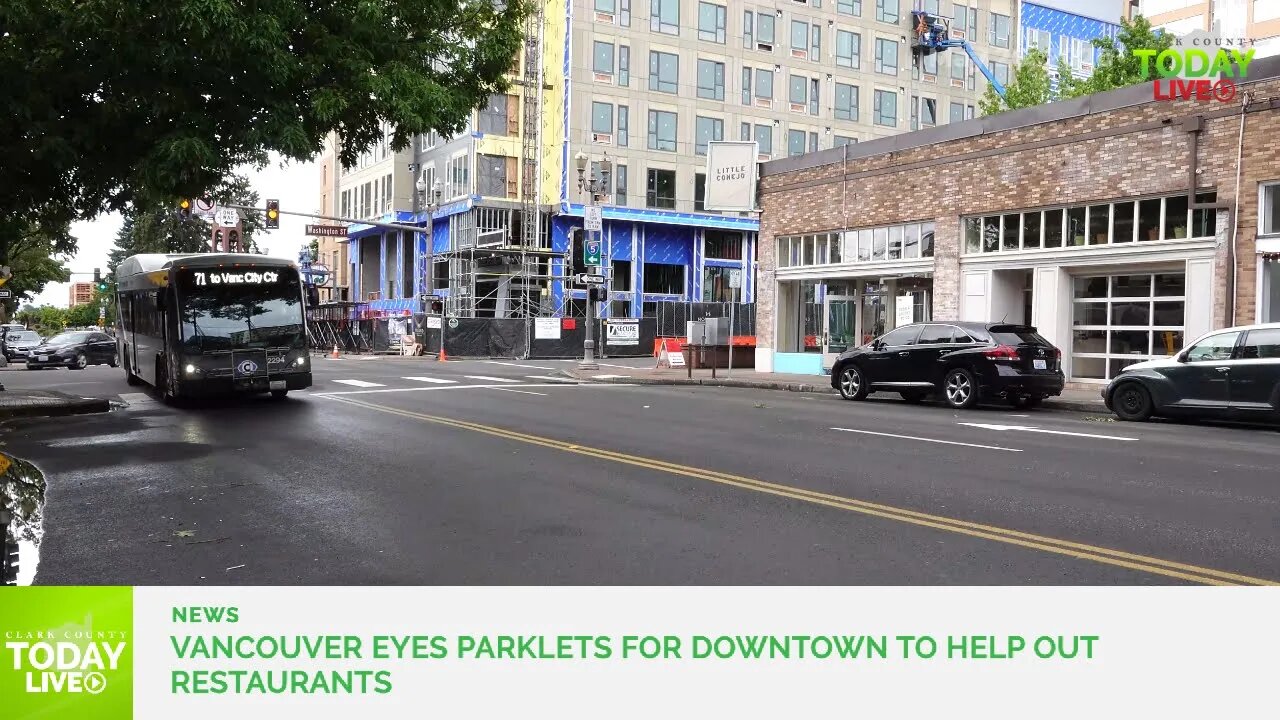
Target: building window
[
  {"x": 998, "y": 35},
  {"x": 1152, "y": 219},
  {"x": 664, "y": 16},
  {"x": 602, "y": 118},
  {"x": 606, "y": 6},
  {"x": 663, "y": 279},
  {"x": 715, "y": 285},
  {"x": 846, "y": 102},
  {"x": 799, "y": 38},
  {"x": 662, "y": 130},
  {"x": 764, "y": 139},
  {"x": 493, "y": 116},
  {"x": 664, "y": 72},
  {"x": 799, "y": 94},
  {"x": 660, "y": 190},
  {"x": 848, "y": 49},
  {"x": 887, "y": 11},
  {"x": 624, "y": 126},
  {"x": 458, "y": 171},
  {"x": 620, "y": 281},
  {"x": 722, "y": 245},
  {"x": 886, "y": 56},
  {"x": 929, "y": 6},
  {"x": 1118, "y": 320},
  {"x": 711, "y": 22},
  {"x": 813, "y": 142},
  {"x": 624, "y": 65},
  {"x": 710, "y": 80},
  {"x": 1040, "y": 40},
  {"x": 957, "y": 113},
  {"x": 1081, "y": 55},
  {"x": 795, "y": 143},
  {"x": 966, "y": 21},
  {"x": 603, "y": 58},
  {"x": 766, "y": 27},
  {"x": 849, "y": 7},
  {"x": 764, "y": 84},
  {"x": 620, "y": 184},
  {"x": 928, "y": 112},
  {"x": 886, "y": 108},
  {"x": 699, "y": 192},
  {"x": 1001, "y": 71},
  {"x": 746, "y": 86},
  {"x": 930, "y": 65},
  {"x": 706, "y": 130},
  {"x": 843, "y": 140},
  {"x": 1270, "y": 215},
  {"x": 912, "y": 241}
]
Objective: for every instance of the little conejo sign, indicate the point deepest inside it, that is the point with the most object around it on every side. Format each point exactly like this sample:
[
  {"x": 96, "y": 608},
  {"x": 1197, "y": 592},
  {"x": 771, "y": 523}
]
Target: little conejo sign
[
  {"x": 731, "y": 175},
  {"x": 1195, "y": 73}
]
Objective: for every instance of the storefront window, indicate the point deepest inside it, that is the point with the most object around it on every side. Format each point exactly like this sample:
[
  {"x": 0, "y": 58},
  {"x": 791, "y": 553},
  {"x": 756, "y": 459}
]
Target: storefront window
[
  {"x": 1118, "y": 320},
  {"x": 896, "y": 242},
  {"x": 1168, "y": 218}
]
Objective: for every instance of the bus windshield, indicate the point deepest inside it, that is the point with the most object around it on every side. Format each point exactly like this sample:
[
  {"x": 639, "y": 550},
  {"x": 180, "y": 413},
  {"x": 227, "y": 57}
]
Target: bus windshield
[{"x": 240, "y": 308}]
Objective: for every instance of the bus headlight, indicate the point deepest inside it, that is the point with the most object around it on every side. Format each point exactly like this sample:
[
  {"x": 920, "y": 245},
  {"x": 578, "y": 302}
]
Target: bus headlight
[
  {"x": 191, "y": 369},
  {"x": 302, "y": 361}
]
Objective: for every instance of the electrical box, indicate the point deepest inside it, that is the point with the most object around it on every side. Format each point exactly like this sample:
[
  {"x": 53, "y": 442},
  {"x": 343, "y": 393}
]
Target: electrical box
[
  {"x": 696, "y": 331},
  {"x": 717, "y": 332}
]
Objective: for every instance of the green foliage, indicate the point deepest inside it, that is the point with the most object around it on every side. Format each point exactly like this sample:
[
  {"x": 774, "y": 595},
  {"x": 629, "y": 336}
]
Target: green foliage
[
  {"x": 1028, "y": 87},
  {"x": 45, "y": 319},
  {"x": 32, "y": 245},
  {"x": 1117, "y": 67},
  {"x": 114, "y": 103}
]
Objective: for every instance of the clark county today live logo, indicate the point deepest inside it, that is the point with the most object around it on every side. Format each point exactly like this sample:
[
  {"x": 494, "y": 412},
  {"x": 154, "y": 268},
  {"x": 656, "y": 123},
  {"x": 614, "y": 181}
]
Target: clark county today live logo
[
  {"x": 67, "y": 652},
  {"x": 1200, "y": 65}
]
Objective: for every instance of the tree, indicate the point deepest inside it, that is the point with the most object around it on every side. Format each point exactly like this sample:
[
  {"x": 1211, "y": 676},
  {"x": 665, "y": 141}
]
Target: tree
[
  {"x": 121, "y": 102},
  {"x": 1028, "y": 87},
  {"x": 1118, "y": 66},
  {"x": 46, "y": 318},
  {"x": 32, "y": 246}
]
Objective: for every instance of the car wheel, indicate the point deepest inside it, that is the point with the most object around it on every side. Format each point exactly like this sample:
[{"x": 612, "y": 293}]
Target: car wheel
[
  {"x": 82, "y": 362},
  {"x": 960, "y": 389},
  {"x": 913, "y": 396},
  {"x": 853, "y": 384},
  {"x": 1131, "y": 402},
  {"x": 114, "y": 361}
]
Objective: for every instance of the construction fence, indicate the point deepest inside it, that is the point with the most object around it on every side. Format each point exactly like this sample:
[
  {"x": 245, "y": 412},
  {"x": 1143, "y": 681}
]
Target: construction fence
[{"x": 671, "y": 317}]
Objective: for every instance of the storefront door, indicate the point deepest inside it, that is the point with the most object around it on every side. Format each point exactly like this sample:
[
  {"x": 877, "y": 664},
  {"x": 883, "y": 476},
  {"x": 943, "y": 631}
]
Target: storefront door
[{"x": 839, "y": 331}]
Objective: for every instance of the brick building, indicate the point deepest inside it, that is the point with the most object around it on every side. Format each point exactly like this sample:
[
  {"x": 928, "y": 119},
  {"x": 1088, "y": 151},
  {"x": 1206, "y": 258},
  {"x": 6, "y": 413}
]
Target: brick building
[
  {"x": 1075, "y": 216},
  {"x": 79, "y": 293}
]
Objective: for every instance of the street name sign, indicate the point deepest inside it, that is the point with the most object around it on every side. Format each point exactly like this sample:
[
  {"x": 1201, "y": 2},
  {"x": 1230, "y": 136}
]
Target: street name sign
[
  {"x": 6, "y": 293},
  {"x": 327, "y": 230}
]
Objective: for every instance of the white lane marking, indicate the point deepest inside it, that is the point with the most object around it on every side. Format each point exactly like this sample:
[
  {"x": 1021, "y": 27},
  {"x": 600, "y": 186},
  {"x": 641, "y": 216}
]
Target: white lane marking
[
  {"x": 1030, "y": 429},
  {"x": 439, "y": 381},
  {"x": 925, "y": 439},
  {"x": 490, "y": 378},
  {"x": 624, "y": 367},
  {"x": 359, "y": 383},
  {"x": 469, "y": 387},
  {"x": 608, "y": 377},
  {"x": 522, "y": 392},
  {"x": 511, "y": 364},
  {"x": 545, "y": 378}
]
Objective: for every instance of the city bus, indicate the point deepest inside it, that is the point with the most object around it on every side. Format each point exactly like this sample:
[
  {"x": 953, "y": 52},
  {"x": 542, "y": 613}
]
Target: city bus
[{"x": 212, "y": 323}]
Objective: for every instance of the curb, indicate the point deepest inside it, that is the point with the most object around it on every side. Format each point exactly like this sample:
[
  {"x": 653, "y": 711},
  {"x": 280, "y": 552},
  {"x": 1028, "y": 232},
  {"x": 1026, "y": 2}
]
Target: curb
[
  {"x": 57, "y": 409},
  {"x": 1049, "y": 403}
]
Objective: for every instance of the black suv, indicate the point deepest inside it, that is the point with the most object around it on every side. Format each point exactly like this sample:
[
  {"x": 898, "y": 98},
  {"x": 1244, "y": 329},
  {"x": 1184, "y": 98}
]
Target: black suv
[{"x": 967, "y": 362}]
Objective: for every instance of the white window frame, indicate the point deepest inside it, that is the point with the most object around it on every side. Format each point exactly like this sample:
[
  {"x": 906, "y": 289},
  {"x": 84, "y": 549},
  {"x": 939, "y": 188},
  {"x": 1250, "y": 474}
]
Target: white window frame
[
  {"x": 1150, "y": 328},
  {"x": 1264, "y": 210}
]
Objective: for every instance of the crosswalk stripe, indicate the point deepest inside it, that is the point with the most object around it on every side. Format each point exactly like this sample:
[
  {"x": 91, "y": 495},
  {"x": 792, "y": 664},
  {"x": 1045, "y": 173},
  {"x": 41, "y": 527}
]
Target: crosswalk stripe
[
  {"x": 359, "y": 383},
  {"x": 438, "y": 381},
  {"x": 488, "y": 378},
  {"x": 546, "y": 378},
  {"x": 511, "y": 364}
]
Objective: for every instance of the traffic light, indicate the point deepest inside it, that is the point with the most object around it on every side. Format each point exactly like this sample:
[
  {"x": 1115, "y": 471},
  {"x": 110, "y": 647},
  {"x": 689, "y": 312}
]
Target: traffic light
[
  {"x": 273, "y": 214},
  {"x": 98, "y": 282},
  {"x": 435, "y": 307},
  {"x": 233, "y": 240},
  {"x": 596, "y": 294},
  {"x": 217, "y": 240},
  {"x": 184, "y": 209}
]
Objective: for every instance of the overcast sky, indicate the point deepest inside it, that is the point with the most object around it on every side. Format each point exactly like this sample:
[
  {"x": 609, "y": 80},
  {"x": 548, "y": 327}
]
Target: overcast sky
[{"x": 296, "y": 186}]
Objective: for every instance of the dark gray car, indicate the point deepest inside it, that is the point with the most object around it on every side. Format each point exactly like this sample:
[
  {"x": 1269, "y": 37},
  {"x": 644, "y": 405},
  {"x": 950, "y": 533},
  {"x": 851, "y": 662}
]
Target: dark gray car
[
  {"x": 18, "y": 343},
  {"x": 1231, "y": 374}
]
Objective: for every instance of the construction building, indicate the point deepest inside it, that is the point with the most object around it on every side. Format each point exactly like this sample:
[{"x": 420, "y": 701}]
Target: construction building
[{"x": 80, "y": 293}]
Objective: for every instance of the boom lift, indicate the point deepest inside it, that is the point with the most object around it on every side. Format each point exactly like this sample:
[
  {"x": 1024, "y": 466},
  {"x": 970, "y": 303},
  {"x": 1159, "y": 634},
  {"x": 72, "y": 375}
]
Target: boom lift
[{"x": 933, "y": 34}]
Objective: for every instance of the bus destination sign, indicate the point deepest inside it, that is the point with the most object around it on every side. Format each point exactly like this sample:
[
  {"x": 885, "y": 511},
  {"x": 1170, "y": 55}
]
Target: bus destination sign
[{"x": 235, "y": 278}]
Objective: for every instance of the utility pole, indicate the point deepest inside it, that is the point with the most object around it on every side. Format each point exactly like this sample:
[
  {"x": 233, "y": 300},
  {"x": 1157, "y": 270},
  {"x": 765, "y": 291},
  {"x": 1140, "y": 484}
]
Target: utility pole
[{"x": 595, "y": 186}]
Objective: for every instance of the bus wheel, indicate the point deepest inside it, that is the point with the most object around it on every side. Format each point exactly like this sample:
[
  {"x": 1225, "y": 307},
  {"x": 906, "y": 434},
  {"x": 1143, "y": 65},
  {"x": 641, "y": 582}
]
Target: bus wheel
[{"x": 279, "y": 394}]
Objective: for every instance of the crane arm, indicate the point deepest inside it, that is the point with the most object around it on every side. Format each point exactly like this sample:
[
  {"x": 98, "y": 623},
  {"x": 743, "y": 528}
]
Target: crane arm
[{"x": 986, "y": 71}]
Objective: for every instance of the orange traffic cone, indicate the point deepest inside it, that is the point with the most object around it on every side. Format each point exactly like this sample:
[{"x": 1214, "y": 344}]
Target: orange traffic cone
[
  {"x": 442, "y": 357},
  {"x": 334, "y": 355}
]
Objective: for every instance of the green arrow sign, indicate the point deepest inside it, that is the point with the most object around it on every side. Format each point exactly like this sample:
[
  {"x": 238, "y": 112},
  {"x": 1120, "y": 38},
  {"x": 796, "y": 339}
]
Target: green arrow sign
[{"x": 591, "y": 253}]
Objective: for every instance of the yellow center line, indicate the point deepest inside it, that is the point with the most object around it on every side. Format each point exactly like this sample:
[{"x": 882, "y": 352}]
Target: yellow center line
[{"x": 1118, "y": 558}]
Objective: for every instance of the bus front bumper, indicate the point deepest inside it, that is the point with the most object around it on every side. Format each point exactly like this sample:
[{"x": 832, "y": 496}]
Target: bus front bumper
[{"x": 208, "y": 386}]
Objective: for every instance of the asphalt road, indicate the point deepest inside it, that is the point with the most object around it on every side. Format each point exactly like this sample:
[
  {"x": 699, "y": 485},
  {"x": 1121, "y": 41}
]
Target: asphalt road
[{"x": 411, "y": 471}]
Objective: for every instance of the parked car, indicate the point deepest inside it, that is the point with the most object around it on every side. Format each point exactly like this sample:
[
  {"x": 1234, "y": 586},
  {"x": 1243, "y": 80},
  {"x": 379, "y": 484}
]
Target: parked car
[
  {"x": 1231, "y": 374},
  {"x": 964, "y": 362},
  {"x": 17, "y": 343},
  {"x": 75, "y": 350}
]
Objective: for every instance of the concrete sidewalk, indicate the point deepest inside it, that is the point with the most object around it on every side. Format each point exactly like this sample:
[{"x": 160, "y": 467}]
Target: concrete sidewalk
[
  {"x": 47, "y": 403},
  {"x": 1077, "y": 400}
]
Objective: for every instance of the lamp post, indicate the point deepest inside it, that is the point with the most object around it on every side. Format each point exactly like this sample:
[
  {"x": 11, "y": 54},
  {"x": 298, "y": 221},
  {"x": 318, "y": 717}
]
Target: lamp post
[
  {"x": 437, "y": 188},
  {"x": 594, "y": 186}
]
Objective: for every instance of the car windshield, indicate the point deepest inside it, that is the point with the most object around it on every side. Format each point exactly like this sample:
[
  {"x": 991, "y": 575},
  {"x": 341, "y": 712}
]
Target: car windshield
[
  {"x": 240, "y": 309},
  {"x": 70, "y": 338},
  {"x": 26, "y": 336},
  {"x": 1018, "y": 336}
]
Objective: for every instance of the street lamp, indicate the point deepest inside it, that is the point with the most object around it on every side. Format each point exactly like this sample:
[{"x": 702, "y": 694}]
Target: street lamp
[
  {"x": 437, "y": 189},
  {"x": 597, "y": 186}
]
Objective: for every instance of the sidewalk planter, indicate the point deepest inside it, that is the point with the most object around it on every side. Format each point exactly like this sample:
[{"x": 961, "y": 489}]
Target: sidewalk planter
[{"x": 718, "y": 357}]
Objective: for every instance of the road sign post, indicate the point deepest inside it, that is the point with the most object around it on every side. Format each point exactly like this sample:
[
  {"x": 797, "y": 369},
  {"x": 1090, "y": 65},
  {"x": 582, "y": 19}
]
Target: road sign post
[{"x": 735, "y": 282}]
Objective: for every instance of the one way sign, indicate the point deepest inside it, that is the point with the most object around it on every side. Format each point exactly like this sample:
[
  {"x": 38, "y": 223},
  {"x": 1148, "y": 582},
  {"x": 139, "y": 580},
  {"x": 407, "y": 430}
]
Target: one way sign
[{"x": 585, "y": 279}]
